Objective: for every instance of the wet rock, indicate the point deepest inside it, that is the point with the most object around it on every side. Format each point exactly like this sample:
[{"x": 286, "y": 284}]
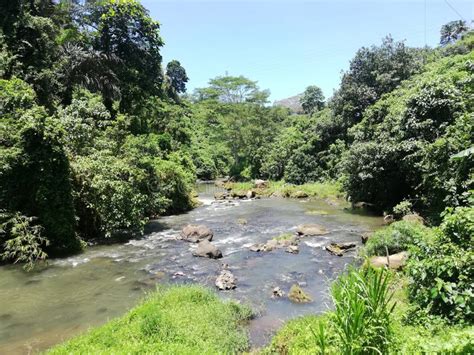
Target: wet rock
[
  {"x": 226, "y": 280},
  {"x": 271, "y": 245},
  {"x": 178, "y": 274},
  {"x": 394, "y": 261},
  {"x": 242, "y": 221},
  {"x": 362, "y": 205},
  {"x": 250, "y": 194},
  {"x": 257, "y": 247},
  {"x": 293, "y": 249},
  {"x": 297, "y": 295},
  {"x": 260, "y": 184},
  {"x": 206, "y": 249},
  {"x": 277, "y": 292},
  {"x": 195, "y": 233},
  {"x": 310, "y": 230},
  {"x": 413, "y": 217},
  {"x": 388, "y": 219},
  {"x": 299, "y": 194},
  {"x": 364, "y": 238},
  {"x": 239, "y": 194},
  {"x": 220, "y": 195},
  {"x": 339, "y": 248}
]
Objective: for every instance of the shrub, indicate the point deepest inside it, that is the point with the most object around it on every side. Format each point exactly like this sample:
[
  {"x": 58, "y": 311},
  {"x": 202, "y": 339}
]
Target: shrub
[
  {"x": 397, "y": 237},
  {"x": 442, "y": 269},
  {"x": 402, "y": 209},
  {"x": 21, "y": 240}
]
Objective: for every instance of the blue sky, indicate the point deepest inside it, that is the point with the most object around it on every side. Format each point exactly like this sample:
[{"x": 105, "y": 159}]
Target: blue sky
[{"x": 288, "y": 45}]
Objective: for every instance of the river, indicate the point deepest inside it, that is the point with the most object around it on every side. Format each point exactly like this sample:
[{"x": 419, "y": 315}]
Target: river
[{"x": 44, "y": 307}]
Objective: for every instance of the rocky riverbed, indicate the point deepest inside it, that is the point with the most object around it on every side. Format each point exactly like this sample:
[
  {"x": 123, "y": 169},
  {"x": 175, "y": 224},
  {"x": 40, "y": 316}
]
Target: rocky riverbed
[{"x": 70, "y": 295}]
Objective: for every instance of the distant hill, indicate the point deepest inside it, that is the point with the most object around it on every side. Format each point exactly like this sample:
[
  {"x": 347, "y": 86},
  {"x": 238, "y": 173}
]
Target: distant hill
[{"x": 293, "y": 103}]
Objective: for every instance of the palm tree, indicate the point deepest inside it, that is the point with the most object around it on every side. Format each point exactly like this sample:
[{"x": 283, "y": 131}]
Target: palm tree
[{"x": 90, "y": 69}]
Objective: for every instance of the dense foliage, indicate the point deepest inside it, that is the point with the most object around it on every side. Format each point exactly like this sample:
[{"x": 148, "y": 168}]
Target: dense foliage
[
  {"x": 93, "y": 138},
  {"x": 442, "y": 268},
  {"x": 97, "y": 135}
]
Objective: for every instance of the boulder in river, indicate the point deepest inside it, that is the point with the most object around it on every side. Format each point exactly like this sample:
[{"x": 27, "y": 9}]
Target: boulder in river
[
  {"x": 226, "y": 280},
  {"x": 277, "y": 292},
  {"x": 339, "y": 248},
  {"x": 297, "y": 295},
  {"x": 206, "y": 249},
  {"x": 310, "y": 230},
  {"x": 195, "y": 233},
  {"x": 299, "y": 194},
  {"x": 388, "y": 219},
  {"x": 293, "y": 249},
  {"x": 394, "y": 261},
  {"x": 221, "y": 195},
  {"x": 260, "y": 184},
  {"x": 238, "y": 194},
  {"x": 250, "y": 194}
]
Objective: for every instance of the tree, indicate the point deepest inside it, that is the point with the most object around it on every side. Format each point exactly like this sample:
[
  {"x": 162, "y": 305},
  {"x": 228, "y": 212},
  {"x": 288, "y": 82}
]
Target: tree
[
  {"x": 312, "y": 99},
  {"x": 233, "y": 90},
  {"x": 125, "y": 30},
  {"x": 452, "y": 31},
  {"x": 176, "y": 77}
]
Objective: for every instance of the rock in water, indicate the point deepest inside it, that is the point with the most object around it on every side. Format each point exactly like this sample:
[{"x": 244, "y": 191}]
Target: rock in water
[
  {"x": 206, "y": 249},
  {"x": 311, "y": 229},
  {"x": 388, "y": 219},
  {"x": 339, "y": 248},
  {"x": 250, "y": 194},
  {"x": 226, "y": 280},
  {"x": 220, "y": 195},
  {"x": 297, "y": 295},
  {"x": 293, "y": 249},
  {"x": 277, "y": 292},
  {"x": 195, "y": 233}
]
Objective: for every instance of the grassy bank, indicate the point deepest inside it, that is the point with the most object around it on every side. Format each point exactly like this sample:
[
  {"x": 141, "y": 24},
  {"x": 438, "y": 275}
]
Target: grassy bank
[
  {"x": 424, "y": 335},
  {"x": 331, "y": 190},
  {"x": 178, "y": 320}
]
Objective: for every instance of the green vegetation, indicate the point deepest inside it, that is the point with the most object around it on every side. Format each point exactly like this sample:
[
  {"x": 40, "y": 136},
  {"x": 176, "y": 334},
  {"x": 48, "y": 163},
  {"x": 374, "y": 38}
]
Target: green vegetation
[
  {"x": 97, "y": 136},
  {"x": 329, "y": 189},
  {"x": 427, "y": 308},
  {"x": 396, "y": 238},
  {"x": 180, "y": 319},
  {"x": 359, "y": 324}
]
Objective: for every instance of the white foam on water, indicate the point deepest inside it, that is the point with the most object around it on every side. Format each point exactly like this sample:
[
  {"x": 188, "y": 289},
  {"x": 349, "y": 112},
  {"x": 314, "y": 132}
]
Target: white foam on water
[{"x": 314, "y": 244}]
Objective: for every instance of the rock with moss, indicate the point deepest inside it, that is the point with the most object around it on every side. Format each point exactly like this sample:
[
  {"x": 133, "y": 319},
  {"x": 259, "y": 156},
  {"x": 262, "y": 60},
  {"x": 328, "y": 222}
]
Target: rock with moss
[
  {"x": 299, "y": 194},
  {"x": 339, "y": 249},
  {"x": 413, "y": 217},
  {"x": 297, "y": 295},
  {"x": 311, "y": 230},
  {"x": 226, "y": 280}
]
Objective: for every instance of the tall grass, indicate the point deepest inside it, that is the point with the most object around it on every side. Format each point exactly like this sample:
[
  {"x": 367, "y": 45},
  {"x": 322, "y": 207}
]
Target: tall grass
[
  {"x": 362, "y": 312},
  {"x": 361, "y": 322}
]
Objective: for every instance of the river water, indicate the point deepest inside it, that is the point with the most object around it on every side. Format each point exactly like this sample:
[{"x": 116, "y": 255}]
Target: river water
[{"x": 70, "y": 295}]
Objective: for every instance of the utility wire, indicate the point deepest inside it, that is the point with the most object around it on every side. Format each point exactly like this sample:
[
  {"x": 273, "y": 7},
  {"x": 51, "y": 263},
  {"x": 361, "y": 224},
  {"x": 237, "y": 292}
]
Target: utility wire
[{"x": 456, "y": 11}]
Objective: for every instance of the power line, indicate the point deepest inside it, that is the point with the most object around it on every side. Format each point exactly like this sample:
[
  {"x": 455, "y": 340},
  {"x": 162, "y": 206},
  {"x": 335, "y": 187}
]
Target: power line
[{"x": 456, "y": 11}]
